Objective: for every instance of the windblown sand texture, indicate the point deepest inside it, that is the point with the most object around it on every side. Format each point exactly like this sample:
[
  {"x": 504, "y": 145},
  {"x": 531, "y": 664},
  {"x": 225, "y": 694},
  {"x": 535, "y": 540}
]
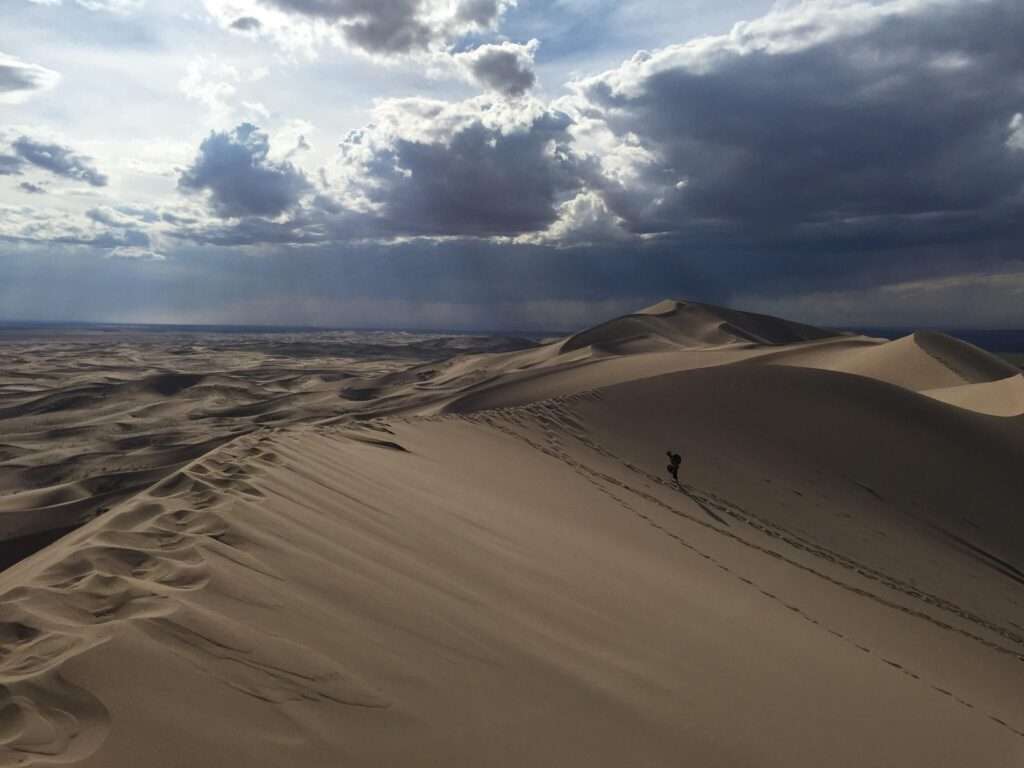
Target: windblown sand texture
[
  {"x": 483, "y": 562},
  {"x": 89, "y": 418}
]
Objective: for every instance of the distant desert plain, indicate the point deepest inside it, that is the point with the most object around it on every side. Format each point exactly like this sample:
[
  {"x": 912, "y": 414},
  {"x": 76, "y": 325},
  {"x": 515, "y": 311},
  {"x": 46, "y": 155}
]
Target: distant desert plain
[{"x": 314, "y": 550}]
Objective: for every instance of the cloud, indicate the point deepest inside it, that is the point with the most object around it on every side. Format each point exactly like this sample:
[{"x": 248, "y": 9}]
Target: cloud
[
  {"x": 10, "y": 165},
  {"x": 245, "y": 24},
  {"x": 20, "y": 80},
  {"x": 583, "y": 220},
  {"x": 1016, "y": 138},
  {"x": 233, "y": 167},
  {"x": 58, "y": 160},
  {"x": 212, "y": 82},
  {"x": 113, "y": 217},
  {"x": 211, "y": 88},
  {"x": 386, "y": 28},
  {"x": 31, "y": 189},
  {"x": 257, "y": 109},
  {"x": 131, "y": 238},
  {"x": 506, "y": 68},
  {"x": 481, "y": 13},
  {"x": 826, "y": 125},
  {"x": 39, "y": 226},
  {"x": 121, "y": 7},
  {"x": 480, "y": 168},
  {"x": 475, "y": 168},
  {"x": 135, "y": 252}
]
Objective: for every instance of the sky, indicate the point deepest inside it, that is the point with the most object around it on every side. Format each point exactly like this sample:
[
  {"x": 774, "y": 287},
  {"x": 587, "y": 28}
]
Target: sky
[{"x": 493, "y": 164}]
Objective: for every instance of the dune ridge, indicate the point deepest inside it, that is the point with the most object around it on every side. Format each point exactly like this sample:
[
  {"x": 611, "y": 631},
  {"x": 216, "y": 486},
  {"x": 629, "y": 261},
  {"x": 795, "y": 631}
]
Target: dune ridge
[
  {"x": 88, "y": 419},
  {"x": 689, "y": 324},
  {"x": 673, "y": 336},
  {"x": 482, "y": 561}
]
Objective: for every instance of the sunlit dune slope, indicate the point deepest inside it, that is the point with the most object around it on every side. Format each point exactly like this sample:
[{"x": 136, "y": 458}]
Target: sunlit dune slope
[
  {"x": 923, "y": 361},
  {"x": 675, "y": 336},
  {"x": 1003, "y": 397}
]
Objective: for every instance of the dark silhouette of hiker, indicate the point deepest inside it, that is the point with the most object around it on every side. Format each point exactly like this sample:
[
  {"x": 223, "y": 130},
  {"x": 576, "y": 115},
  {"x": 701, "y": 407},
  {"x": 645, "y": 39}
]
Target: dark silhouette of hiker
[{"x": 674, "y": 460}]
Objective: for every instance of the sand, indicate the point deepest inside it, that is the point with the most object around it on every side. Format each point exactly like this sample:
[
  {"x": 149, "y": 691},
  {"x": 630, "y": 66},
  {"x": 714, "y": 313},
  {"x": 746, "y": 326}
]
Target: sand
[
  {"x": 89, "y": 418},
  {"x": 482, "y": 561}
]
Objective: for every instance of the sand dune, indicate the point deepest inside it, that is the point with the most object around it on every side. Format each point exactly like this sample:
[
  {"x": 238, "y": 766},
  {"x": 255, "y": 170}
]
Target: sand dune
[
  {"x": 1003, "y": 397},
  {"x": 691, "y": 325},
  {"x": 923, "y": 361},
  {"x": 675, "y": 336},
  {"x": 482, "y": 561},
  {"x": 88, "y": 419}
]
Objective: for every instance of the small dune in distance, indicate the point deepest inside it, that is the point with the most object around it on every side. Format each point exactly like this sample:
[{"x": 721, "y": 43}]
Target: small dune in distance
[{"x": 353, "y": 549}]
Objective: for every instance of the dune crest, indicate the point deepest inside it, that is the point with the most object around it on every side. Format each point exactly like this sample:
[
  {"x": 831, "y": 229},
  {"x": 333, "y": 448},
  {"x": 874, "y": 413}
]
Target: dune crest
[{"x": 688, "y": 324}]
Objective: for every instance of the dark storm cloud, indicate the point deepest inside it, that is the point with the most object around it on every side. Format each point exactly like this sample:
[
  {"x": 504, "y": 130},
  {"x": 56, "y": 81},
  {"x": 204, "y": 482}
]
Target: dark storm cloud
[
  {"x": 479, "y": 12},
  {"x": 106, "y": 240},
  {"x": 506, "y": 68},
  {"x": 823, "y": 128},
  {"x": 17, "y": 78},
  {"x": 880, "y": 135},
  {"x": 124, "y": 216},
  {"x": 10, "y": 165},
  {"x": 300, "y": 229},
  {"x": 32, "y": 189},
  {"x": 246, "y": 24},
  {"x": 20, "y": 79},
  {"x": 391, "y": 27},
  {"x": 103, "y": 216},
  {"x": 378, "y": 26},
  {"x": 233, "y": 167},
  {"x": 103, "y": 241},
  {"x": 426, "y": 169},
  {"x": 825, "y": 149},
  {"x": 176, "y": 220},
  {"x": 480, "y": 179},
  {"x": 388, "y": 29},
  {"x": 58, "y": 160}
]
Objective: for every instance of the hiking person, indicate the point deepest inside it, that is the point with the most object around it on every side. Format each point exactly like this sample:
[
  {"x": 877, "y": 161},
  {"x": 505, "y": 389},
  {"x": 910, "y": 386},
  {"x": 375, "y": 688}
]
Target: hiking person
[{"x": 674, "y": 460}]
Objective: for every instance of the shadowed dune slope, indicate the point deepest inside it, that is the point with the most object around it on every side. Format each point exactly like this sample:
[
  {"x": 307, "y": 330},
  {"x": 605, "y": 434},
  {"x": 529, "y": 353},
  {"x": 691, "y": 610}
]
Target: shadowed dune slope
[
  {"x": 947, "y": 470},
  {"x": 524, "y": 587},
  {"x": 483, "y": 561}
]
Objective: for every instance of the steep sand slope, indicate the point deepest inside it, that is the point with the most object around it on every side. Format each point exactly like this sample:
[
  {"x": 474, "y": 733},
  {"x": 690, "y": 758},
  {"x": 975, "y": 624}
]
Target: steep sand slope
[
  {"x": 837, "y": 582},
  {"x": 499, "y": 573},
  {"x": 925, "y": 360},
  {"x": 89, "y": 418},
  {"x": 668, "y": 336},
  {"x": 1004, "y": 397}
]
